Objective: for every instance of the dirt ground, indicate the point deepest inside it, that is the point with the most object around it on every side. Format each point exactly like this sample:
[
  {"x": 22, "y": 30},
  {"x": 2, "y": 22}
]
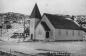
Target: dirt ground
[{"x": 77, "y": 48}]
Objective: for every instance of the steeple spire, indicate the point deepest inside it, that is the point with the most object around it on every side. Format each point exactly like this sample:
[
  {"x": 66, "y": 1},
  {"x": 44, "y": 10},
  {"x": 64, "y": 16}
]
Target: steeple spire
[{"x": 35, "y": 13}]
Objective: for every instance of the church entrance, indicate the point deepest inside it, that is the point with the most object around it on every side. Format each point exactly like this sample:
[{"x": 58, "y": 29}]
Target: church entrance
[{"x": 31, "y": 36}]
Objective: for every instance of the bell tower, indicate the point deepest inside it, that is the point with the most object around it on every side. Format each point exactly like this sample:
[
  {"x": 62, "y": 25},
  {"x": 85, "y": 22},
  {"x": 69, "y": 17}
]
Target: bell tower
[{"x": 35, "y": 18}]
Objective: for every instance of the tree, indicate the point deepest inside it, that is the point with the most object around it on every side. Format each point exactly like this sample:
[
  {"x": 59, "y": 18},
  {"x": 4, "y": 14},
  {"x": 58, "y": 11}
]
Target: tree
[
  {"x": 0, "y": 26},
  {"x": 27, "y": 31},
  {"x": 5, "y": 22},
  {"x": 8, "y": 26}
]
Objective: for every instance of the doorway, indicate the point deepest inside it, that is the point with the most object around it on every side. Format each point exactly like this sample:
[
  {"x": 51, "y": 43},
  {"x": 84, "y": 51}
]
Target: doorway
[{"x": 31, "y": 36}]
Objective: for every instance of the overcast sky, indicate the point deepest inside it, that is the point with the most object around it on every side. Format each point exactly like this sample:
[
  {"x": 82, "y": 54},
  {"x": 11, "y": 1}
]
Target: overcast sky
[{"x": 75, "y": 7}]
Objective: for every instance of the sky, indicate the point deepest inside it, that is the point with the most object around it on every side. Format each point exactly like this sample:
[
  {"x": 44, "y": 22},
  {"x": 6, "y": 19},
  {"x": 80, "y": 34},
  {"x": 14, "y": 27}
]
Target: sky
[{"x": 69, "y": 7}]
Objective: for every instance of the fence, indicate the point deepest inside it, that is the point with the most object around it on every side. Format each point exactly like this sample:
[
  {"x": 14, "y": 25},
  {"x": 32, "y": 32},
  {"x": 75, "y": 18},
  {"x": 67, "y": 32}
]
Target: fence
[{"x": 59, "y": 53}]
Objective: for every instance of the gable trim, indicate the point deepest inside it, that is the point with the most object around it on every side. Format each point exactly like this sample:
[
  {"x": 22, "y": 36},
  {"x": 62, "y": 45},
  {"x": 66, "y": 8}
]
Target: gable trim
[{"x": 44, "y": 17}]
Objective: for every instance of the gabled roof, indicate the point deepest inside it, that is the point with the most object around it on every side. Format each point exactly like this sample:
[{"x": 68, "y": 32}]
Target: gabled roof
[
  {"x": 35, "y": 13},
  {"x": 45, "y": 26},
  {"x": 59, "y": 22}
]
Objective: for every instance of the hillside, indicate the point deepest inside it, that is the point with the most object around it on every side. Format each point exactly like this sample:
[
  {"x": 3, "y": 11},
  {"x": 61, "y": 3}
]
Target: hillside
[{"x": 11, "y": 16}]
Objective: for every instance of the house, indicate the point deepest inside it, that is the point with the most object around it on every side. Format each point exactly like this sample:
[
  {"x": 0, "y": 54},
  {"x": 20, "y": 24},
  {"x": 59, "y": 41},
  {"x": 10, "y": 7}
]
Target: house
[{"x": 56, "y": 27}]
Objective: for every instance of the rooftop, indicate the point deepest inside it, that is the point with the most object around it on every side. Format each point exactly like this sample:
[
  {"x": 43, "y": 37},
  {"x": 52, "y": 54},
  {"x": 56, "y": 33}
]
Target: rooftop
[{"x": 59, "y": 22}]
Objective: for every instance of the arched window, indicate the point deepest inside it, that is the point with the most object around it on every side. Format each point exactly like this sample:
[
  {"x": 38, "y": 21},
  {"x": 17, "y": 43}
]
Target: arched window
[
  {"x": 47, "y": 34},
  {"x": 78, "y": 33},
  {"x": 67, "y": 32},
  {"x": 72, "y": 32},
  {"x": 59, "y": 32}
]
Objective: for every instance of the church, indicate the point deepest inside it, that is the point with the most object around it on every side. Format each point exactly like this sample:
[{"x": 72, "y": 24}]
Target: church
[{"x": 53, "y": 27}]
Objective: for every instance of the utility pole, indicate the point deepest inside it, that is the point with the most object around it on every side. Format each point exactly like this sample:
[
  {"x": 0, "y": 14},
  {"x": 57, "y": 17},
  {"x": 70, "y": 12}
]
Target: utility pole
[
  {"x": 1, "y": 29},
  {"x": 1, "y": 25}
]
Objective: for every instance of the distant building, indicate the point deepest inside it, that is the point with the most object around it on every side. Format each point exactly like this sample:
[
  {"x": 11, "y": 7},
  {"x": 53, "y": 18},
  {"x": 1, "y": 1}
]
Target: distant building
[{"x": 81, "y": 20}]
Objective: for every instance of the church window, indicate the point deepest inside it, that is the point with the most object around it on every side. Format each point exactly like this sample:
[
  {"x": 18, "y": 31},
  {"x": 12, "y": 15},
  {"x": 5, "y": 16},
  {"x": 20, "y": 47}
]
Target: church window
[
  {"x": 59, "y": 32},
  {"x": 67, "y": 32},
  {"x": 73, "y": 33}
]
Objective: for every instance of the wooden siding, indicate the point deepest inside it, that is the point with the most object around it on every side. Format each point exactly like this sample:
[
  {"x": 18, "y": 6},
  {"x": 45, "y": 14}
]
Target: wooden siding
[
  {"x": 65, "y": 34},
  {"x": 40, "y": 32}
]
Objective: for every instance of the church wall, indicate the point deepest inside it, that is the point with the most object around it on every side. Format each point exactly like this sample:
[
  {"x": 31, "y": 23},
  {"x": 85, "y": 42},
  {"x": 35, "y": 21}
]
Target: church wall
[
  {"x": 40, "y": 32},
  {"x": 32, "y": 26},
  {"x": 65, "y": 34}
]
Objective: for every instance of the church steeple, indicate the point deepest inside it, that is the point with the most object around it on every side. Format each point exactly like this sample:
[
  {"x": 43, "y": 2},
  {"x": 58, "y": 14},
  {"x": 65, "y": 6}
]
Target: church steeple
[{"x": 35, "y": 13}]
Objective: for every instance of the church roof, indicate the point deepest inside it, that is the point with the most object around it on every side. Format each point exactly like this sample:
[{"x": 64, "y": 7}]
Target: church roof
[
  {"x": 59, "y": 22},
  {"x": 45, "y": 26},
  {"x": 35, "y": 13}
]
